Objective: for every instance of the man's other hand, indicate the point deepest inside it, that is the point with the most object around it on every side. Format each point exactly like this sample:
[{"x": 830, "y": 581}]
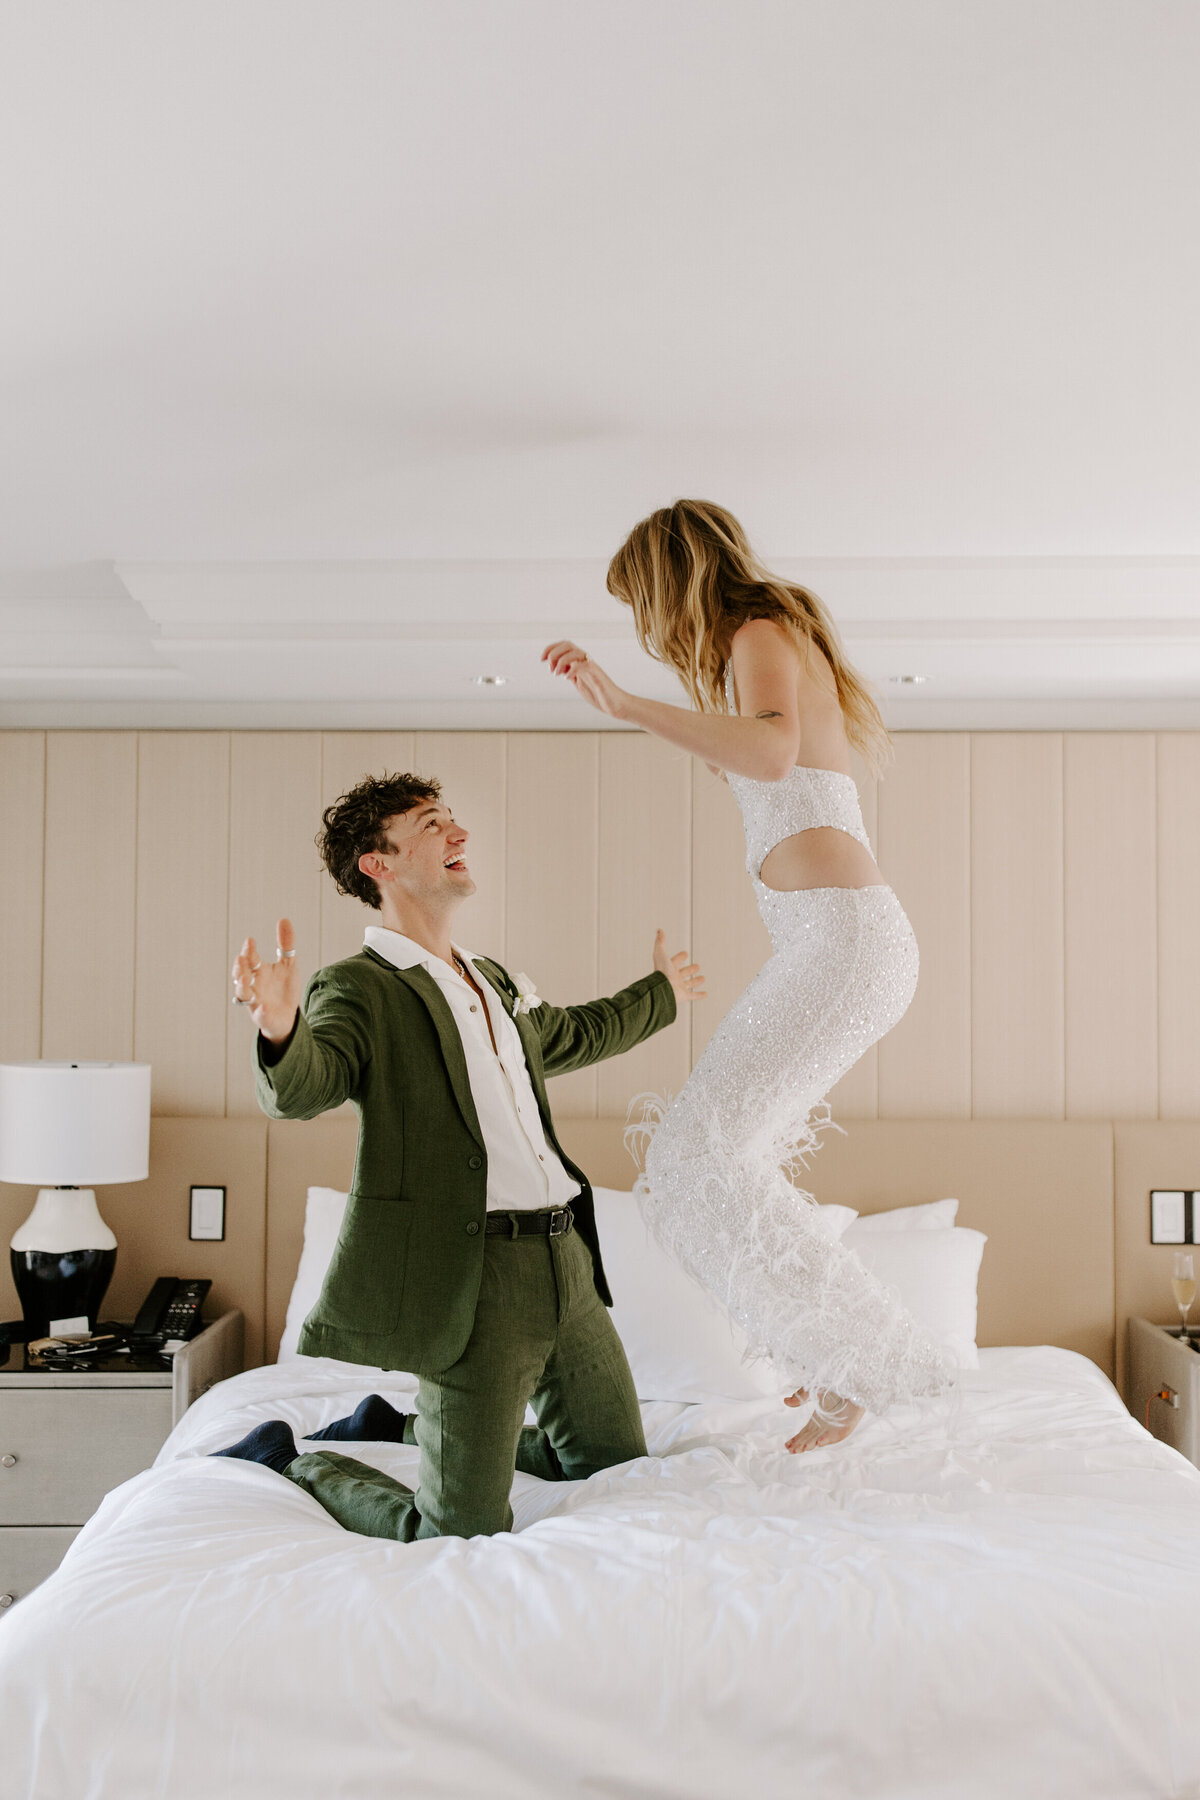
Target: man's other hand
[{"x": 684, "y": 977}]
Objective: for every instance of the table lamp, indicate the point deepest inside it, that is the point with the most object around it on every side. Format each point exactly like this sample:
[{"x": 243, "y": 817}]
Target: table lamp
[{"x": 66, "y": 1125}]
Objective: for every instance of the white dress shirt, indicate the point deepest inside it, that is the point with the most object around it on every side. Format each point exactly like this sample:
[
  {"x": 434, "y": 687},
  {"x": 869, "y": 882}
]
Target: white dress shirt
[{"x": 524, "y": 1172}]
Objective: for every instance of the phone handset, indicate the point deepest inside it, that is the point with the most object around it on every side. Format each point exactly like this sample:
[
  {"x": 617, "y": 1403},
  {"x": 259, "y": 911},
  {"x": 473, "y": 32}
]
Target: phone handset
[{"x": 171, "y": 1309}]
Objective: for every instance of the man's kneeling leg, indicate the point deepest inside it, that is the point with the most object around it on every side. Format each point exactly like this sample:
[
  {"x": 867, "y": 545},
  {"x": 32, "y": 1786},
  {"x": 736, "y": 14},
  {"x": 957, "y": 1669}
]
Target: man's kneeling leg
[{"x": 360, "y": 1498}]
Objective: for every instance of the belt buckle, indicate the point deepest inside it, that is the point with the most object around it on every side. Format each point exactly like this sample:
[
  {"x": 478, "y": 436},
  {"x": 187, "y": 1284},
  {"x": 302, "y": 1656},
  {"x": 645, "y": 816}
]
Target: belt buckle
[{"x": 560, "y": 1221}]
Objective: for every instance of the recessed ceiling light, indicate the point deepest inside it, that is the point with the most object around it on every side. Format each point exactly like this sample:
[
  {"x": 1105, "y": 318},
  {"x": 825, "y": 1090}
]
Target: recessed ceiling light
[
  {"x": 908, "y": 680},
  {"x": 489, "y": 680}
]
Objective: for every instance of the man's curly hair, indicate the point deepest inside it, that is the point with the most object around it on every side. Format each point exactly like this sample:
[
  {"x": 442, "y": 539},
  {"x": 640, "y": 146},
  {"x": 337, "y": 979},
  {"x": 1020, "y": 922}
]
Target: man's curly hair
[{"x": 357, "y": 822}]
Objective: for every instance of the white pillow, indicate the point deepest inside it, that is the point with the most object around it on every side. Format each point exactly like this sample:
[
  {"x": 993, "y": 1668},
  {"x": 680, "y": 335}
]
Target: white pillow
[
  {"x": 936, "y": 1274},
  {"x": 934, "y": 1216},
  {"x": 680, "y": 1341},
  {"x": 322, "y": 1221},
  {"x": 837, "y": 1219}
]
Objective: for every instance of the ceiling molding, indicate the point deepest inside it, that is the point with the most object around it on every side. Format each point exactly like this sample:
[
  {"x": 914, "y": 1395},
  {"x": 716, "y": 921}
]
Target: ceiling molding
[
  {"x": 478, "y": 594},
  {"x": 1022, "y": 644},
  {"x": 52, "y": 673},
  {"x": 204, "y": 594},
  {"x": 901, "y": 715},
  {"x": 371, "y": 631},
  {"x": 232, "y": 635}
]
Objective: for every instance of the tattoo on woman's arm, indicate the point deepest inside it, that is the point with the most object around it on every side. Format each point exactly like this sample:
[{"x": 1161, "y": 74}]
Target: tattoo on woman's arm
[{"x": 768, "y": 715}]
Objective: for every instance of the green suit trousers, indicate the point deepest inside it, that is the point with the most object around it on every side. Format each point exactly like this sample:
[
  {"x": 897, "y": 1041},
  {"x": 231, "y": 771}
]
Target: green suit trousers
[{"x": 542, "y": 1335}]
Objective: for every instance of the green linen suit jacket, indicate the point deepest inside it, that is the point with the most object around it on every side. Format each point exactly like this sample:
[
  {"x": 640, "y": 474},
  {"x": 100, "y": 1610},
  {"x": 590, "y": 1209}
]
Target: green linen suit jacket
[{"x": 403, "y": 1283}]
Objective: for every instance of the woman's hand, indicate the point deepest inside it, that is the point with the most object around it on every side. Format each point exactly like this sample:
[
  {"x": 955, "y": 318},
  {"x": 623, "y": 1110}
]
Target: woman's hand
[
  {"x": 270, "y": 990},
  {"x": 586, "y": 677}
]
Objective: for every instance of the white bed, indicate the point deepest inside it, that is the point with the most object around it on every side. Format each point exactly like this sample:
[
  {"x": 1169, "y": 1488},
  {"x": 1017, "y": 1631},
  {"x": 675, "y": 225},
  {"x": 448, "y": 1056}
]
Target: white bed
[
  {"x": 983, "y": 1598},
  {"x": 991, "y": 1598}
]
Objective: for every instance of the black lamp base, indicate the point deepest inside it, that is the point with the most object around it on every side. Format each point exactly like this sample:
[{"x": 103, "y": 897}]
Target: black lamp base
[{"x": 68, "y": 1284}]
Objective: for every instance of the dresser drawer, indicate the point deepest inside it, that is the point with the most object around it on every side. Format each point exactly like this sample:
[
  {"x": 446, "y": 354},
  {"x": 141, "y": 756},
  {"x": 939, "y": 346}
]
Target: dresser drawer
[
  {"x": 28, "y": 1553},
  {"x": 69, "y": 1446}
]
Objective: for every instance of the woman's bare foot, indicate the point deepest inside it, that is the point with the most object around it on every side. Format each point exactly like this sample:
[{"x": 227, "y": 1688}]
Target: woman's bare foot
[{"x": 835, "y": 1421}]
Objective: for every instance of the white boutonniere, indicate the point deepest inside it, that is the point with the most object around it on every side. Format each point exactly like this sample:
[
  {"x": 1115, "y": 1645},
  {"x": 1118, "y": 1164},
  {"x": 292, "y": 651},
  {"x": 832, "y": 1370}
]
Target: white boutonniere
[{"x": 527, "y": 995}]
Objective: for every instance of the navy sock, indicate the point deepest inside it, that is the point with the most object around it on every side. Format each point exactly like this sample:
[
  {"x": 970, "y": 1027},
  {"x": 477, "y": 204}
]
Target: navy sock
[
  {"x": 371, "y": 1421},
  {"x": 271, "y": 1443}
]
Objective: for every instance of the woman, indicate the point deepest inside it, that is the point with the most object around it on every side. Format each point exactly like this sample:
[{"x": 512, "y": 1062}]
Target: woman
[{"x": 777, "y": 709}]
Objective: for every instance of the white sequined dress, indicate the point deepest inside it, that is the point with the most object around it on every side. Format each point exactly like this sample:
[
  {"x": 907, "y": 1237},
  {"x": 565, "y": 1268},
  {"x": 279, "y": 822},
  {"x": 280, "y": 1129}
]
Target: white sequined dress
[{"x": 716, "y": 1187}]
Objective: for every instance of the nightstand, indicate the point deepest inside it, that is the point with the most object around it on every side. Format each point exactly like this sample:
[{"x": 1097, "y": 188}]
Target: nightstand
[
  {"x": 1160, "y": 1363},
  {"x": 67, "y": 1438}
]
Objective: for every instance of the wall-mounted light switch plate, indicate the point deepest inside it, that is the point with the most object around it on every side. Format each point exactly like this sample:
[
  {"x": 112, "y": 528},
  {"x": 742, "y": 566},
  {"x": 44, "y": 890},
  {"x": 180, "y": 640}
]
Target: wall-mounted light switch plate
[
  {"x": 207, "y": 1217},
  {"x": 1174, "y": 1216}
]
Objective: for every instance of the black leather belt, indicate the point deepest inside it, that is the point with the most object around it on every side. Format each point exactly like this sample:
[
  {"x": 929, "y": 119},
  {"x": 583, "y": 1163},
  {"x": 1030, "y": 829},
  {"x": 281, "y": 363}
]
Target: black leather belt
[{"x": 555, "y": 1223}]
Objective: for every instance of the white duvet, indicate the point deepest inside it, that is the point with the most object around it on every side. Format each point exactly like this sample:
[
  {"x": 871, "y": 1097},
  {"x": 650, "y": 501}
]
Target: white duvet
[{"x": 992, "y": 1598}]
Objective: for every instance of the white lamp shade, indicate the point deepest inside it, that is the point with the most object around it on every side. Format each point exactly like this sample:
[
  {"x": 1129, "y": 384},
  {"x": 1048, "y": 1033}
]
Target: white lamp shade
[{"x": 74, "y": 1124}]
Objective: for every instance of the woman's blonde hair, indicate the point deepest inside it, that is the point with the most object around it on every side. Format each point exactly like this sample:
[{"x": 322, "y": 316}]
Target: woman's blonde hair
[{"x": 691, "y": 578}]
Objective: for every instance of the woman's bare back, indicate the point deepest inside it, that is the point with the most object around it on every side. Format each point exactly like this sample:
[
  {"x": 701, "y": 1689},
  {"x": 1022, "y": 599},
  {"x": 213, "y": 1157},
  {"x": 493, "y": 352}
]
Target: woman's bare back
[{"x": 824, "y": 856}]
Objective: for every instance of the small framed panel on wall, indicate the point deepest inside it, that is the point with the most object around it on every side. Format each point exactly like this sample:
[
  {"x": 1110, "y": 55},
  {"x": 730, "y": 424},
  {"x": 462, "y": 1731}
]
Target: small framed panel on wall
[
  {"x": 206, "y": 1215},
  {"x": 1174, "y": 1216}
]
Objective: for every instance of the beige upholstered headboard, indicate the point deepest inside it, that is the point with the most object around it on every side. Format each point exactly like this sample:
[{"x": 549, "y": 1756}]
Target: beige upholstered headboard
[
  {"x": 1065, "y": 1207},
  {"x": 1043, "y": 1193}
]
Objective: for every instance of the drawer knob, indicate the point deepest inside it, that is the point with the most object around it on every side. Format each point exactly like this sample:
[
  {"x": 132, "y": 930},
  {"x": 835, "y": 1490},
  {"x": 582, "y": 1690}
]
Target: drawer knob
[
  {"x": 8, "y": 1461},
  {"x": 6, "y": 1600}
]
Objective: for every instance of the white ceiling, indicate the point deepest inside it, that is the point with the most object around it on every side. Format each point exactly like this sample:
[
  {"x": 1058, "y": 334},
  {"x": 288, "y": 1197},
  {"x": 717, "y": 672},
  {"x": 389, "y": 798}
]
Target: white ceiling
[{"x": 341, "y": 343}]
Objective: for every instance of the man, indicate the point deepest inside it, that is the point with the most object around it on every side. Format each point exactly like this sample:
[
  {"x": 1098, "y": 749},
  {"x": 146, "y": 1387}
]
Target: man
[{"x": 469, "y": 1252}]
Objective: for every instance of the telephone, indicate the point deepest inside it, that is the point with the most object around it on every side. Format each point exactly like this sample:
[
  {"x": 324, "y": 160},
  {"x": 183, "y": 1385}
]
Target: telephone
[
  {"x": 170, "y": 1310},
  {"x": 169, "y": 1315}
]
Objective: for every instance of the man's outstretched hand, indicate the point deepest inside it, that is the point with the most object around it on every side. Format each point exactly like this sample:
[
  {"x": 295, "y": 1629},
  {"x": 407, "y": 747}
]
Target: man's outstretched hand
[
  {"x": 270, "y": 990},
  {"x": 684, "y": 977}
]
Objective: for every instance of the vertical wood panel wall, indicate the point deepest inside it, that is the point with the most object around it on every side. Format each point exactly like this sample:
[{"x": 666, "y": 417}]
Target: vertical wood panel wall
[
  {"x": 89, "y": 911},
  {"x": 22, "y": 860},
  {"x": 552, "y": 880},
  {"x": 924, "y": 848},
  {"x": 1052, "y": 879},
  {"x": 1111, "y": 931},
  {"x": 1016, "y": 995}
]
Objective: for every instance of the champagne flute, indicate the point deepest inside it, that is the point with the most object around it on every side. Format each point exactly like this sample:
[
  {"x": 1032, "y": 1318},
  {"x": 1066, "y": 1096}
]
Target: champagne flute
[{"x": 1183, "y": 1286}]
